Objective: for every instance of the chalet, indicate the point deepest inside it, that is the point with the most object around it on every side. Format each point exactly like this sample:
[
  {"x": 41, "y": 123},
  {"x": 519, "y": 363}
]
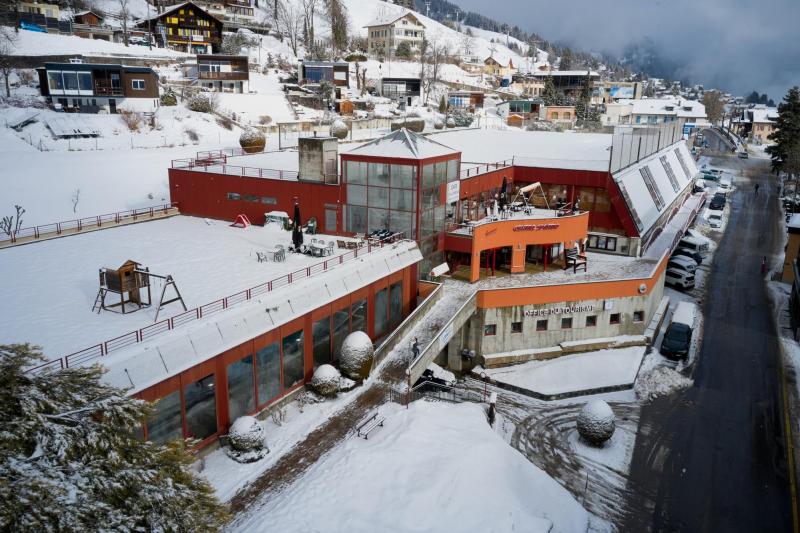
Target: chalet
[
  {"x": 223, "y": 73},
  {"x": 186, "y": 27},
  {"x": 89, "y": 88},
  {"x": 568, "y": 82},
  {"x": 228, "y": 10},
  {"x": 522, "y": 109},
  {"x": 386, "y": 32},
  {"x": 89, "y": 25},
  {"x": 335, "y": 72},
  {"x": 499, "y": 67},
  {"x": 401, "y": 89},
  {"x": 465, "y": 99},
  {"x": 48, "y": 9}
]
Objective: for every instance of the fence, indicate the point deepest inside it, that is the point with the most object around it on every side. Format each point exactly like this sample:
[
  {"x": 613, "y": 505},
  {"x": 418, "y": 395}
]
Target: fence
[
  {"x": 289, "y": 133},
  {"x": 192, "y": 315},
  {"x": 434, "y": 391},
  {"x": 629, "y": 147},
  {"x": 212, "y": 165},
  {"x": 484, "y": 168},
  {"x": 79, "y": 224}
]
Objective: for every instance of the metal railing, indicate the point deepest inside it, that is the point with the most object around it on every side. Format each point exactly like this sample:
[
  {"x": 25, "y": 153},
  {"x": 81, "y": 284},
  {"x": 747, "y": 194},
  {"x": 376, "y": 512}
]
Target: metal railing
[
  {"x": 79, "y": 224},
  {"x": 434, "y": 391},
  {"x": 237, "y": 75},
  {"x": 220, "y": 166},
  {"x": 192, "y": 315},
  {"x": 484, "y": 168}
]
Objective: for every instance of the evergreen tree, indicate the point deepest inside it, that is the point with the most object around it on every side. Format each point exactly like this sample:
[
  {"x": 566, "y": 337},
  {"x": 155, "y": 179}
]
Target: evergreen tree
[
  {"x": 752, "y": 98},
  {"x": 70, "y": 460},
  {"x": 566, "y": 59},
  {"x": 337, "y": 13},
  {"x": 549, "y": 94},
  {"x": 714, "y": 106},
  {"x": 784, "y": 152},
  {"x": 442, "y": 104}
]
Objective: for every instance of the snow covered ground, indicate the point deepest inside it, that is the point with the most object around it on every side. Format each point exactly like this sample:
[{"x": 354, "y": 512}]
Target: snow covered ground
[
  {"x": 266, "y": 98},
  {"x": 575, "y": 372},
  {"x": 30, "y": 43},
  {"x": 432, "y": 467}
]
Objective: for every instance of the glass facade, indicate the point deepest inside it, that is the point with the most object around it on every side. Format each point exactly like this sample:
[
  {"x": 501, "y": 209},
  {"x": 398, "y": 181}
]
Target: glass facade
[
  {"x": 241, "y": 392},
  {"x": 293, "y": 360},
  {"x": 381, "y": 311},
  {"x": 165, "y": 423},
  {"x": 201, "y": 407},
  {"x": 358, "y": 312},
  {"x": 268, "y": 369},
  {"x": 341, "y": 328},
  {"x": 322, "y": 341},
  {"x": 396, "y": 304},
  {"x": 380, "y": 196}
]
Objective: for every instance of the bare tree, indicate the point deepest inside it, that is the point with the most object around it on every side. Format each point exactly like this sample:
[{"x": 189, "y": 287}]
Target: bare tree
[
  {"x": 76, "y": 197},
  {"x": 10, "y": 224},
  {"x": 124, "y": 14},
  {"x": 290, "y": 24},
  {"x": 432, "y": 55},
  {"x": 309, "y": 10},
  {"x": 714, "y": 106},
  {"x": 7, "y": 39}
]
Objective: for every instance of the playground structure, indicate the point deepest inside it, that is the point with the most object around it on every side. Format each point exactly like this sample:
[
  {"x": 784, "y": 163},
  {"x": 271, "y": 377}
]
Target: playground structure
[{"x": 132, "y": 283}]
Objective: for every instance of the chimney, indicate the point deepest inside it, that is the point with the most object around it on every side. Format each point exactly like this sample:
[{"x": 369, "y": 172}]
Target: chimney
[{"x": 318, "y": 159}]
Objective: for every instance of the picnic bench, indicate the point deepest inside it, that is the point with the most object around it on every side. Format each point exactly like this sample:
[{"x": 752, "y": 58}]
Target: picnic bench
[{"x": 369, "y": 424}]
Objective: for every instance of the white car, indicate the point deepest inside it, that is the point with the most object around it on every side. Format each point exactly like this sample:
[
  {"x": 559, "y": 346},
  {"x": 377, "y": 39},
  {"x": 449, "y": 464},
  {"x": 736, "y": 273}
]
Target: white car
[
  {"x": 715, "y": 220},
  {"x": 679, "y": 262},
  {"x": 679, "y": 279},
  {"x": 725, "y": 183}
]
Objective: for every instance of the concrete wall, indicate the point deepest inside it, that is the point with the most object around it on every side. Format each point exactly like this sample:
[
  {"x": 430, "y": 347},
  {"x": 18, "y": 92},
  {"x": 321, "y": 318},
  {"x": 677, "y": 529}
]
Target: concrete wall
[
  {"x": 505, "y": 341},
  {"x": 318, "y": 159}
]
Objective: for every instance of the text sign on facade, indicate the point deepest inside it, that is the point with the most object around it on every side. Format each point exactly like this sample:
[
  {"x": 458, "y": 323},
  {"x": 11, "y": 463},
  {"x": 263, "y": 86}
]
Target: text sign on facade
[
  {"x": 547, "y": 311},
  {"x": 535, "y": 227},
  {"x": 453, "y": 190}
]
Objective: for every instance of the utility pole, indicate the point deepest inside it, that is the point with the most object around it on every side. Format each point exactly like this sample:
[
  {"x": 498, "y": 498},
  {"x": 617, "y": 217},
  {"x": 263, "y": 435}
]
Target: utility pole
[
  {"x": 428, "y": 9},
  {"x": 149, "y": 28}
]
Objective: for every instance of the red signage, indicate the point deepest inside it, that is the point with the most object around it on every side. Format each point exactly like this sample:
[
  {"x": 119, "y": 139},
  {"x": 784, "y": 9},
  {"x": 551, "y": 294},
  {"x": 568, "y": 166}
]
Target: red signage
[{"x": 535, "y": 227}]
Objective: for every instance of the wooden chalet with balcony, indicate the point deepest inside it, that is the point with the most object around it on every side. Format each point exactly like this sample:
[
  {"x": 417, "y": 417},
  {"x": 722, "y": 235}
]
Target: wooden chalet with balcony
[
  {"x": 186, "y": 27},
  {"x": 223, "y": 73}
]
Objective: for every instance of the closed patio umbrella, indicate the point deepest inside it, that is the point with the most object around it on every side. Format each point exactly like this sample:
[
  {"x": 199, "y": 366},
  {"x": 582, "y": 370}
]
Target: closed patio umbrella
[{"x": 297, "y": 231}]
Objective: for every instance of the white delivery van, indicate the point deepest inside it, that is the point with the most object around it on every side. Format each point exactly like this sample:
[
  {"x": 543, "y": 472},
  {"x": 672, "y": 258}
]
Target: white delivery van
[
  {"x": 685, "y": 313},
  {"x": 694, "y": 244}
]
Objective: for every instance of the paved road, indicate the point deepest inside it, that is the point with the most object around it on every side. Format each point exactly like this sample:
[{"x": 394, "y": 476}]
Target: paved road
[{"x": 713, "y": 457}]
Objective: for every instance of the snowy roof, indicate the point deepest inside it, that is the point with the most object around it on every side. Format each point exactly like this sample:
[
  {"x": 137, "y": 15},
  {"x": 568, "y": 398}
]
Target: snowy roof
[
  {"x": 764, "y": 115},
  {"x": 178, "y": 246},
  {"x": 574, "y": 151},
  {"x": 557, "y": 73},
  {"x": 179, "y": 6},
  {"x": 145, "y": 364},
  {"x": 403, "y": 144},
  {"x": 667, "y": 176},
  {"x": 679, "y": 107},
  {"x": 387, "y": 17}
]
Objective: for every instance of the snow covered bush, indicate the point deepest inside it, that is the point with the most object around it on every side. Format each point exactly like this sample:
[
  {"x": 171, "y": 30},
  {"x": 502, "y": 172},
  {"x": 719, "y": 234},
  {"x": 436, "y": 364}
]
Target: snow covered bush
[
  {"x": 131, "y": 119},
  {"x": 169, "y": 98},
  {"x": 247, "y": 440},
  {"x": 355, "y": 360},
  {"x": 70, "y": 459},
  {"x": 339, "y": 129},
  {"x": 326, "y": 380},
  {"x": 451, "y": 123},
  {"x": 204, "y": 102},
  {"x": 438, "y": 123},
  {"x": 596, "y": 422},
  {"x": 252, "y": 140},
  {"x": 462, "y": 118},
  {"x": 417, "y": 125},
  {"x": 660, "y": 381}
]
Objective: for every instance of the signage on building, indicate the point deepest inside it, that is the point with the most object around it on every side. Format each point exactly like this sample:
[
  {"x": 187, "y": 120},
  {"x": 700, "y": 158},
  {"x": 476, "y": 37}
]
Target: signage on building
[
  {"x": 547, "y": 311},
  {"x": 621, "y": 92},
  {"x": 535, "y": 227},
  {"x": 453, "y": 190}
]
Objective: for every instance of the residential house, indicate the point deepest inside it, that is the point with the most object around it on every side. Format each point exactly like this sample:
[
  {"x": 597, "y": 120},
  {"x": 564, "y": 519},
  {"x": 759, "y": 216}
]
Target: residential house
[
  {"x": 499, "y": 67},
  {"x": 568, "y": 82},
  {"x": 560, "y": 114},
  {"x": 89, "y": 25},
  {"x": 335, "y": 72},
  {"x": 520, "y": 110},
  {"x": 48, "y": 9},
  {"x": 223, "y": 73},
  {"x": 402, "y": 90},
  {"x": 527, "y": 85},
  {"x": 760, "y": 123},
  {"x": 661, "y": 110},
  {"x": 465, "y": 99},
  {"x": 387, "y": 31},
  {"x": 615, "y": 114},
  {"x": 186, "y": 27},
  {"x": 92, "y": 87},
  {"x": 228, "y": 10}
]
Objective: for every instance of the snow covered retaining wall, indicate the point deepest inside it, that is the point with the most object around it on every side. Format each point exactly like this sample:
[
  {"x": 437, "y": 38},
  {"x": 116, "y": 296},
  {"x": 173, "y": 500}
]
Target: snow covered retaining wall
[{"x": 565, "y": 348}]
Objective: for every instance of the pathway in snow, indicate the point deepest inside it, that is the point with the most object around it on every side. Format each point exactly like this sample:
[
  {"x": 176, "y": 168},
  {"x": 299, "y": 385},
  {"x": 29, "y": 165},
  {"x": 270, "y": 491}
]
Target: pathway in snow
[{"x": 389, "y": 374}]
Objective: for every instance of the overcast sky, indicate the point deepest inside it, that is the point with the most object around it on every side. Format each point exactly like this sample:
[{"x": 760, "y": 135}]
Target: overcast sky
[{"x": 736, "y": 45}]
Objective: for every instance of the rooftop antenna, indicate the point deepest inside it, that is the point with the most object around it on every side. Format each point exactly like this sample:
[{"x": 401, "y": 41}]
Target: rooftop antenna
[{"x": 428, "y": 9}]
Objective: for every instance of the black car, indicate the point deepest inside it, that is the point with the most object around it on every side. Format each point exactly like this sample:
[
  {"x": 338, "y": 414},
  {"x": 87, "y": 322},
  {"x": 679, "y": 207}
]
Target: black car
[
  {"x": 676, "y": 341},
  {"x": 718, "y": 202},
  {"x": 690, "y": 254}
]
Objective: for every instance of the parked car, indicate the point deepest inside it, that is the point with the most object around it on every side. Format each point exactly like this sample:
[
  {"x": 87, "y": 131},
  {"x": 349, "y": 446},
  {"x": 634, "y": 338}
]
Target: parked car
[
  {"x": 694, "y": 242},
  {"x": 684, "y": 252},
  {"x": 718, "y": 202},
  {"x": 712, "y": 174},
  {"x": 725, "y": 183},
  {"x": 743, "y": 154},
  {"x": 680, "y": 262},
  {"x": 715, "y": 220},
  {"x": 699, "y": 185},
  {"x": 680, "y": 279},
  {"x": 677, "y": 339}
]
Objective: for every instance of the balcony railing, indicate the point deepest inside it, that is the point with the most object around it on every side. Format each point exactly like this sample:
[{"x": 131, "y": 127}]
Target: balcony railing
[
  {"x": 106, "y": 90},
  {"x": 223, "y": 75}
]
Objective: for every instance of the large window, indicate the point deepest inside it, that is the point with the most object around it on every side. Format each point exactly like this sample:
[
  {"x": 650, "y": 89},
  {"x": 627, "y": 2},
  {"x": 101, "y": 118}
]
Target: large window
[
  {"x": 356, "y": 219},
  {"x": 388, "y": 191},
  {"x": 341, "y": 328},
  {"x": 396, "y": 304},
  {"x": 652, "y": 188},
  {"x": 670, "y": 174},
  {"x": 356, "y": 172},
  {"x": 682, "y": 162},
  {"x": 322, "y": 341},
  {"x": 55, "y": 81},
  {"x": 70, "y": 81},
  {"x": 381, "y": 311},
  {"x": 358, "y": 312},
  {"x": 137, "y": 85},
  {"x": 293, "y": 359},
  {"x": 241, "y": 393},
  {"x": 165, "y": 423},
  {"x": 268, "y": 368},
  {"x": 201, "y": 407},
  {"x": 85, "y": 81}
]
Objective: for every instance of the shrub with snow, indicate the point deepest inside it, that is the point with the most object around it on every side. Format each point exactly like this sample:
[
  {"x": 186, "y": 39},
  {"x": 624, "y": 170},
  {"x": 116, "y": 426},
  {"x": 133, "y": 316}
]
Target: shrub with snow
[
  {"x": 169, "y": 98},
  {"x": 596, "y": 422},
  {"x": 326, "y": 380},
  {"x": 451, "y": 122},
  {"x": 247, "y": 440},
  {"x": 438, "y": 123},
  {"x": 203, "y": 102},
  {"x": 462, "y": 117},
  {"x": 417, "y": 125},
  {"x": 356, "y": 357},
  {"x": 252, "y": 140},
  {"x": 339, "y": 129},
  {"x": 660, "y": 381}
]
